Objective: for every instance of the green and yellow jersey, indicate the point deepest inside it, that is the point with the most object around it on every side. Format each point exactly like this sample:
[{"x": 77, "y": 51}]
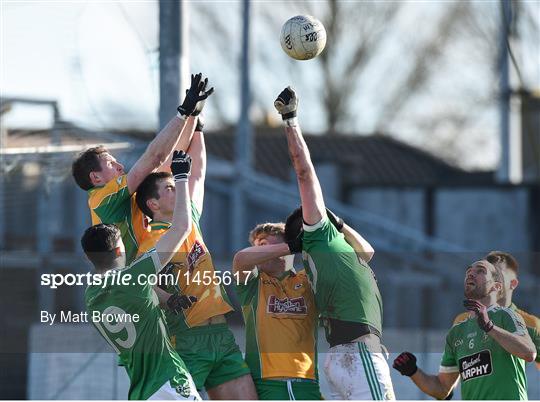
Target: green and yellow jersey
[
  {"x": 281, "y": 327},
  {"x": 531, "y": 322},
  {"x": 487, "y": 370},
  {"x": 112, "y": 204},
  {"x": 137, "y": 330},
  {"x": 192, "y": 264}
]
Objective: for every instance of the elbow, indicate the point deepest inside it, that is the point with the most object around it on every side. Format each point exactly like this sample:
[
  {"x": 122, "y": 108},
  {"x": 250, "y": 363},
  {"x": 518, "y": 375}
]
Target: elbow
[
  {"x": 368, "y": 255},
  {"x": 443, "y": 395},
  {"x": 237, "y": 262},
  {"x": 530, "y": 356}
]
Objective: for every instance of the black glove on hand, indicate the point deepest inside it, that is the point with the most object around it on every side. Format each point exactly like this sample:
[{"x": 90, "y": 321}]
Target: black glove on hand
[
  {"x": 200, "y": 104},
  {"x": 295, "y": 244},
  {"x": 194, "y": 94},
  {"x": 480, "y": 310},
  {"x": 405, "y": 363},
  {"x": 176, "y": 303},
  {"x": 163, "y": 282},
  {"x": 181, "y": 166},
  {"x": 287, "y": 103},
  {"x": 336, "y": 220}
]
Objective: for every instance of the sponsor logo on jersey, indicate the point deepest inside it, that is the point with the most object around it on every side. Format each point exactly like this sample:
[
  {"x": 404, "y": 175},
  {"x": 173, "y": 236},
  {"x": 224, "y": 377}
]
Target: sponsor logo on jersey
[
  {"x": 296, "y": 305},
  {"x": 475, "y": 365},
  {"x": 119, "y": 180},
  {"x": 184, "y": 389},
  {"x": 196, "y": 252}
]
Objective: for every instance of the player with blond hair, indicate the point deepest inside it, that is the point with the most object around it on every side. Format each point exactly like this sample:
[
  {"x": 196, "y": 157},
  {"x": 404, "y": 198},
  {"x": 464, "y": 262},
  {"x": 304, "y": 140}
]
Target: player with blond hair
[{"x": 280, "y": 315}]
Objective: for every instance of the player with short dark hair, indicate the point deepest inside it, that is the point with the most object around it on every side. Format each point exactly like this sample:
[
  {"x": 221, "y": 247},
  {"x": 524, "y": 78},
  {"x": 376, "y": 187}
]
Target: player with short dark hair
[
  {"x": 487, "y": 351},
  {"x": 136, "y": 330},
  {"x": 509, "y": 267},
  {"x": 110, "y": 189},
  {"x": 200, "y": 334},
  {"x": 281, "y": 318},
  {"x": 346, "y": 291}
]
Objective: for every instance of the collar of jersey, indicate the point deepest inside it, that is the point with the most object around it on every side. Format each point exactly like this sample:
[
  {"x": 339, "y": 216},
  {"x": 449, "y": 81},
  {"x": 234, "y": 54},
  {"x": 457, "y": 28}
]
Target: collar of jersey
[
  {"x": 157, "y": 225},
  {"x": 289, "y": 272},
  {"x": 493, "y": 307}
]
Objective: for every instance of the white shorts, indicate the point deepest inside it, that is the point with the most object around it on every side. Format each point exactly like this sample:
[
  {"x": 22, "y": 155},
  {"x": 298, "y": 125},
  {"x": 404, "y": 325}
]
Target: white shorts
[
  {"x": 168, "y": 393},
  {"x": 354, "y": 372}
]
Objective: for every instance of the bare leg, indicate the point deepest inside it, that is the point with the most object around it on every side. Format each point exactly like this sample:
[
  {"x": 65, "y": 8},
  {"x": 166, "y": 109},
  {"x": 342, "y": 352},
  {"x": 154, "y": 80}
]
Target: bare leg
[{"x": 241, "y": 388}]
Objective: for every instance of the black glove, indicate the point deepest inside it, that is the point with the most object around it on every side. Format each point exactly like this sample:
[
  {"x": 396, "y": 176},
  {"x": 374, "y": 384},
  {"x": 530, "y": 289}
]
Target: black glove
[
  {"x": 336, "y": 220},
  {"x": 295, "y": 244},
  {"x": 286, "y": 103},
  {"x": 176, "y": 303},
  {"x": 194, "y": 94},
  {"x": 294, "y": 233},
  {"x": 405, "y": 363},
  {"x": 200, "y": 104},
  {"x": 167, "y": 272},
  {"x": 200, "y": 123},
  {"x": 181, "y": 166},
  {"x": 484, "y": 322}
]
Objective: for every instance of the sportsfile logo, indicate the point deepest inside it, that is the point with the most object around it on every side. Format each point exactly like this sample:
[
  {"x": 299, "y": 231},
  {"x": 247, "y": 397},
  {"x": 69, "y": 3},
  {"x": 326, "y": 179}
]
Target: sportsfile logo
[
  {"x": 295, "y": 305},
  {"x": 476, "y": 365}
]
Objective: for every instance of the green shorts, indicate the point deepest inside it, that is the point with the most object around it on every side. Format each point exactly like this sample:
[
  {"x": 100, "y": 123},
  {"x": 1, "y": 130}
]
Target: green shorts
[
  {"x": 288, "y": 390},
  {"x": 211, "y": 355}
]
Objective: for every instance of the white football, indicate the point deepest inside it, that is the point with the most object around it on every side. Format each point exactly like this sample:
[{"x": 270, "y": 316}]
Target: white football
[{"x": 303, "y": 37}]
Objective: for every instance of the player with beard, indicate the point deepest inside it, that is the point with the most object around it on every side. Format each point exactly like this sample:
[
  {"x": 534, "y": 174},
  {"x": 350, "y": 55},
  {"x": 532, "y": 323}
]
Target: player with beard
[
  {"x": 487, "y": 351},
  {"x": 509, "y": 267}
]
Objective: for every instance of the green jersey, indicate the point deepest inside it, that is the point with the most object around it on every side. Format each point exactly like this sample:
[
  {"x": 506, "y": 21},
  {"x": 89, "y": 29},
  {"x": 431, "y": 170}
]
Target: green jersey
[
  {"x": 487, "y": 371},
  {"x": 344, "y": 285},
  {"x": 125, "y": 311}
]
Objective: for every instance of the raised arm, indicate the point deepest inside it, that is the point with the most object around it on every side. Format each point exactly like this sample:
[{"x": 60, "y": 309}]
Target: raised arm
[
  {"x": 246, "y": 259},
  {"x": 518, "y": 342},
  {"x": 519, "y": 345},
  {"x": 181, "y": 222},
  {"x": 313, "y": 209},
  {"x": 194, "y": 123},
  {"x": 361, "y": 246},
  {"x": 182, "y": 143},
  {"x": 159, "y": 149},
  {"x": 197, "y": 151}
]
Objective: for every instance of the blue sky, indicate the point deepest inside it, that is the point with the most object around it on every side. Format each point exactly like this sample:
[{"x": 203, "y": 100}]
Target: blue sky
[{"x": 99, "y": 59}]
